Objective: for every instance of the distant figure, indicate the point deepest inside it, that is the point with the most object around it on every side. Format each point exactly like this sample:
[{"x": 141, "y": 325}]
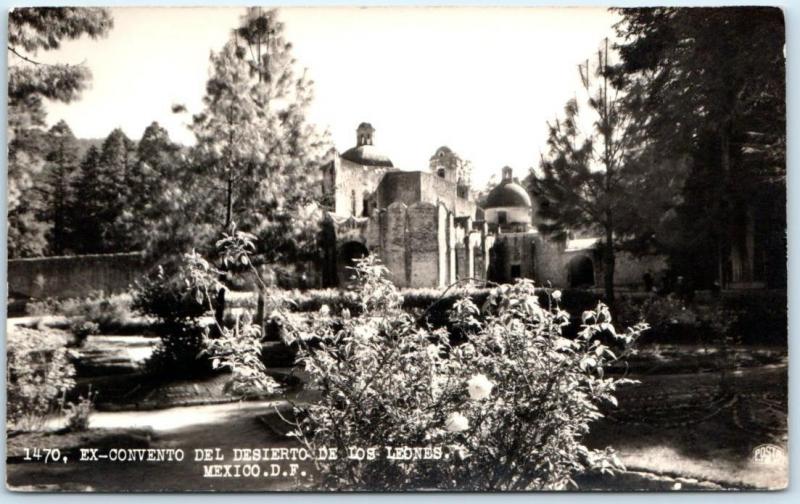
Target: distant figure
[{"x": 648, "y": 281}]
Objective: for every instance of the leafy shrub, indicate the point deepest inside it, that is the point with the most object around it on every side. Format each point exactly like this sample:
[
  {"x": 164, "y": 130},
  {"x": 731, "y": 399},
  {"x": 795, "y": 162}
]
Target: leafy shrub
[
  {"x": 510, "y": 406},
  {"x": 38, "y": 373},
  {"x": 175, "y": 293},
  {"x": 47, "y": 306},
  {"x": 177, "y": 296},
  {"x": 82, "y": 329},
  {"x": 78, "y": 413},
  {"x": 239, "y": 351},
  {"x": 761, "y": 316},
  {"x": 673, "y": 320},
  {"x": 108, "y": 312}
]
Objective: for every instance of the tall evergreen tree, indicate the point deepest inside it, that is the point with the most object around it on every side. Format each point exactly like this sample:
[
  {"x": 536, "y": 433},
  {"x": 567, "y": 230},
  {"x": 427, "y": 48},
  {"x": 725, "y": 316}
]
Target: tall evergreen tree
[
  {"x": 254, "y": 140},
  {"x": 27, "y": 230},
  {"x": 708, "y": 85},
  {"x": 30, "y": 83},
  {"x": 62, "y": 163},
  {"x": 583, "y": 178},
  {"x": 114, "y": 190},
  {"x": 158, "y": 165},
  {"x": 86, "y": 212}
]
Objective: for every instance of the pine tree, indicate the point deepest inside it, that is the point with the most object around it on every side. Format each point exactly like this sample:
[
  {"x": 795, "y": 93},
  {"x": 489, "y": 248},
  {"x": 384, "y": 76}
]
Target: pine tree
[
  {"x": 158, "y": 165},
  {"x": 27, "y": 229},
  {"x": 253, "y": 139},
  {"x": 114, "y": 191},
  {"x": 62, "y": 163},
  {"x": 708, "y": 85},
  {"x": 86, "y": 211},
  {"x": 583, "y": 179},
  {"x": 30, "y": 83}
]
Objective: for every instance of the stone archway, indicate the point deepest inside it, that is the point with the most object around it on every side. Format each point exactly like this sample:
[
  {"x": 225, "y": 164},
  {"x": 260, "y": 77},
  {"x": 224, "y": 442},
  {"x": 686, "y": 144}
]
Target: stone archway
[
  {"x": 346, "y": 258},
  {"x": 580, "y": 272}
]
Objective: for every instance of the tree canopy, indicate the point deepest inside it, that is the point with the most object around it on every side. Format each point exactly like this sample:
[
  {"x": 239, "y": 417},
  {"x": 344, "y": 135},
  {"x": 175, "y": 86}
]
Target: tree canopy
[
  {"x": 584, "y": 182},
  {"x": 707, "y": 89},
  {"x": 255, "y": 149},
  {"x": 30, "y": 83}
]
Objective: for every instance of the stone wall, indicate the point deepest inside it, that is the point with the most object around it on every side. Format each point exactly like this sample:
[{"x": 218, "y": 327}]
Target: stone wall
[
  {"x": 442, "y": 238},
  {"x": 518, "y": 256},
  {"x": 393, "y": 252},
  {"x": 352, "y": 183},
  {"x": 422, "y": 244},
  {"x": 413, "y": 187},
  {"x": 629, "y": 269},
  {"x": 552, "y": 265},
  {"x": 399, "y": 187},
  {"x": 74, "y": 276}
]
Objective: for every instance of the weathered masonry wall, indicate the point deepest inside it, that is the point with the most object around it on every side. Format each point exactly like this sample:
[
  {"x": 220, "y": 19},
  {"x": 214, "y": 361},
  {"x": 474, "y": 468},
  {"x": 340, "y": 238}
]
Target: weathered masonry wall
[
  {"x": 394, "y": 248},
  {"x": 74, "y": 276},
  {"x": 413, "y": 187},
  {"x": 422, "y": 241},
  {"x": 351, "y": 184}
]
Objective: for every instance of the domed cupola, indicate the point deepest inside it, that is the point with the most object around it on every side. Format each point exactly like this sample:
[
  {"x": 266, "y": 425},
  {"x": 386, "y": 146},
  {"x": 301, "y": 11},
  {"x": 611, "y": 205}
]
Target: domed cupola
[
  {"x": 364, "y": 153},
  {"x": 508, "y": 194}
]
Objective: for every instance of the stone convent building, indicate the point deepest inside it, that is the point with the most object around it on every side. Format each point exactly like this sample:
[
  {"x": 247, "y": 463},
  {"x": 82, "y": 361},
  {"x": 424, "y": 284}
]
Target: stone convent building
[{"x": 429, "y": 231}]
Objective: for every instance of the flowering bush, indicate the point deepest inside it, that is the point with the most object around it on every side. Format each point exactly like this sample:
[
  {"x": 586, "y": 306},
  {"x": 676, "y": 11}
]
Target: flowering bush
[{"x": 506, "y": 410}]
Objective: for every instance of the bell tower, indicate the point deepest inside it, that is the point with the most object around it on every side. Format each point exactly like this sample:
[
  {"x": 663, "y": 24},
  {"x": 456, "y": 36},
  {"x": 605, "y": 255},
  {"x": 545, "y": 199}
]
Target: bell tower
[
  {"x": 364, "y": 134},
  {"x": 508, "y": 174}
]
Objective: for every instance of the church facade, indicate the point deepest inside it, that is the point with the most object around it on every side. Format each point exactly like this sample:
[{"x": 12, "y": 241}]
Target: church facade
[{"x": 428, "y": 229}]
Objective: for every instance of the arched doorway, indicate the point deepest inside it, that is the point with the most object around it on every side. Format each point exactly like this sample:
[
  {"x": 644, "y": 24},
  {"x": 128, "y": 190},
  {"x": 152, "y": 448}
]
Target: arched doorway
[
  {"x": 580, "y": 272},
  {"x": 498, "y": 263},
  {"x": 349, "y": 252}
]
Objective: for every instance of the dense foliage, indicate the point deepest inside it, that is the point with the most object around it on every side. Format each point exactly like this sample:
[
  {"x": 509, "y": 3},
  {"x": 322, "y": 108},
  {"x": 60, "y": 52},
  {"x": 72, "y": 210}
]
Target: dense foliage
[
  {"x": 509, "y": 407},
  {"x": 177, "y": 296},
  {"x": 30, "y": 83},
  {"x": 257, "y": 158},
  {"x": 707, "y": 89},
  {"x": 38, "y": 374}
]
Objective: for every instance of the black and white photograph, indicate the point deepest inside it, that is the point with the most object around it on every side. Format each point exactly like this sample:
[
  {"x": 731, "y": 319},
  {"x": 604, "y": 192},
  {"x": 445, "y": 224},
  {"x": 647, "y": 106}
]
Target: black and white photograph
[{"x": 396, "y": 249}]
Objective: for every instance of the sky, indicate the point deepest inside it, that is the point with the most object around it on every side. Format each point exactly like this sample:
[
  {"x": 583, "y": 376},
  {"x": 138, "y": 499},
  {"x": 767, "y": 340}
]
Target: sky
[{"x": 483, "y": 81}]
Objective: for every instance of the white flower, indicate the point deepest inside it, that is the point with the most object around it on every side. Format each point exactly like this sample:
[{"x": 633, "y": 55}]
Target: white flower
[
  {"x": 365, "y": 332},
  {"x": 556, "y": 295},
  {"x": 346, "y": 314},
  {"x": 433, "y": 351},
  {"x": 324, "y": 310},
  {"x": 456, "y": 422},
  {"x": 479, "y": 387}
]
